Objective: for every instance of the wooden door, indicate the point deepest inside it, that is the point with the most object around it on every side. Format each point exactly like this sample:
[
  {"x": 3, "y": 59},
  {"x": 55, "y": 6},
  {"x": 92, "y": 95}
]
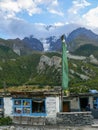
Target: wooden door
[{"x": 66, "y": 106}]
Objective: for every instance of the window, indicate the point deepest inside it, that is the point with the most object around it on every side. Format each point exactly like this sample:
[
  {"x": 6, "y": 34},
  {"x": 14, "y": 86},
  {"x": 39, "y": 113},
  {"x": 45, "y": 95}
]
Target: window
[
  {"x": 28, "y": 107},
  {"x": 26, "y": 110},
  {"x": 26, "y": 103},
  {"x": 1, "y": 102},
  {"x": 18, "y": 110},
  {"x": 1, "y": 106},
  {"x": 21, "y": 106},
  {"x": 38, "y": 106},
  {"x": 17, "y": 102}
]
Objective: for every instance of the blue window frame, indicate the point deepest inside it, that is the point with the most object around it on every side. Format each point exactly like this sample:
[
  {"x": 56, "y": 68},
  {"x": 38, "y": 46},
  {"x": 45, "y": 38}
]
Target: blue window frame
[
  {"x": 1, "y": 105},
  {"x": 29, "y": 107},
  {"x": 95, "y": 103}
]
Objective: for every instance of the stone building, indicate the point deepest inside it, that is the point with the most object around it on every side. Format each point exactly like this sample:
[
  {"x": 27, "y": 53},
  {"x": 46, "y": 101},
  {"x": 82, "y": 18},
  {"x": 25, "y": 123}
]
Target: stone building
[
  {"x": 48, "y": 107},
  {"x": 39, "y": 103}
]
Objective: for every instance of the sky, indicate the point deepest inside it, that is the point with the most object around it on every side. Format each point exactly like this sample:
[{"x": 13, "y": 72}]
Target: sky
[{"x": 42, "y": 18}]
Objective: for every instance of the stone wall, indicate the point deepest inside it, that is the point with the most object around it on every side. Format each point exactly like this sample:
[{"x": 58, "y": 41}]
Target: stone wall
[
  {"x": 63, "y": 119},
  {"x": 74, "y": 118}
]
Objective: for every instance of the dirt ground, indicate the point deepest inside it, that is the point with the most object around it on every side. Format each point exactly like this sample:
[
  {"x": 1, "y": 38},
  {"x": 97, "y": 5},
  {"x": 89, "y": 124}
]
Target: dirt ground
[{"x": 47, "y": 128}]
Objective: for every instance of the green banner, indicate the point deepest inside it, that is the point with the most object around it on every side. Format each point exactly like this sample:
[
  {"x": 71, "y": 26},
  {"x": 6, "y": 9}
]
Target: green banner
[{"x": 64, "y": 65}]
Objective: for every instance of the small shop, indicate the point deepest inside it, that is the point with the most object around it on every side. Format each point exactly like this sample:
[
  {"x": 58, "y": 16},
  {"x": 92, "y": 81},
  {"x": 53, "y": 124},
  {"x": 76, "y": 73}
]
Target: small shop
[{"x": 32, "y": 104}]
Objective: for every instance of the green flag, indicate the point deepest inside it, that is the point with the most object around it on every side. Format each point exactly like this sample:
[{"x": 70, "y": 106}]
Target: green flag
[{"x": 64, "y": 65}]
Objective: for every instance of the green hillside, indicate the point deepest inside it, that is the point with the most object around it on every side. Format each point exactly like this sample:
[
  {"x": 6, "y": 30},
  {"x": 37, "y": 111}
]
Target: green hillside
[
  {"x": 6, "y": 53},
  {"x": 24, "y": 70},
  {"x": 87, "y": 50},
  {"x": 84, "y": 68}
]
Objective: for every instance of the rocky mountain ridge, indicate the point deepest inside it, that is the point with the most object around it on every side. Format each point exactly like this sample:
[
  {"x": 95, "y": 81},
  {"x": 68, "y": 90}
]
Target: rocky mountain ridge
[{"x": 76, "y": 40}]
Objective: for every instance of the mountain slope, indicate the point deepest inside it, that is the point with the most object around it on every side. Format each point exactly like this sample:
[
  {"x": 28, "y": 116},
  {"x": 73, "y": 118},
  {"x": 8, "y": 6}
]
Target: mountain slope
[
  {"x": 45, "y": 69},
  {"x": 33, "y": 43},
  {"x": 81, "y": 36},
  {"x": 75, "y": 42},
  {"x": 23, "y": 47},
  {"x": 55, "y": 43},
  {"x": 87, "y": 50},
  {"x": 7, "y": 53}
]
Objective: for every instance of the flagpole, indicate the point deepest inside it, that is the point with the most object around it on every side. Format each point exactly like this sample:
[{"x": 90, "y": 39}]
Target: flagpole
[
  {"x": 64, "y": 68},
  {"x": 62, "y": 37}
]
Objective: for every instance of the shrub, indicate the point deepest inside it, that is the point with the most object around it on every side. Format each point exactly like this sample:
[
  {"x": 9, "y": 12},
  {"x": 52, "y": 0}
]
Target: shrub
[{"x": 5, "y": 121}]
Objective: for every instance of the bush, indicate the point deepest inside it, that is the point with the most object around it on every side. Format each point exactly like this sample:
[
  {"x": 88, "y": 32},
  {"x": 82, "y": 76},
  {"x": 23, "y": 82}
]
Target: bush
[{"x": 5, "y": 121}]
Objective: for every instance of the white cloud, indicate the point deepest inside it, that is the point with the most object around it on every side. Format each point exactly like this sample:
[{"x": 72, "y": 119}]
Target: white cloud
[
  {"x": 29, "y": 5},
  {"x": 13, "y": 26},
  {"x": 54, "y": 8},
  {"x": 47, "y": 2},
  {"x": 91, "y": 17},
  {"x": 59, "y": 24},
  {"x": 57, "y": 12},
  {"x": 78, "y": 5},
  {"x": 11, "y": 8},
  {"x": 54, "y": 3}
]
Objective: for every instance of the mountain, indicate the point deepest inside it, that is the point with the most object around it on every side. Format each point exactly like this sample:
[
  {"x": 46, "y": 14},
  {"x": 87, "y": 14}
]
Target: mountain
[
  {"x": 54, "y": 43},
  {"x": 23, "y": 47},
  {"x": 86, "y": 50},
  {"x": 77, "y": 41},
  {"x": 16, "y": 45},
  {"x": 33, "y": 43},
  {"x": 44, "y": 69},
  {"x": 79, "y": 37}
]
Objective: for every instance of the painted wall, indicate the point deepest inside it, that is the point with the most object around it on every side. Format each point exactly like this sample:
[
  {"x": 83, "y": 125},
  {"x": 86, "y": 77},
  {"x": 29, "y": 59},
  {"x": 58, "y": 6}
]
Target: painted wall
[
  {"x": 8, "y": 106},
  {"x": 91, "y": 102},
  {"x": 74, "y": 104},
  {"x": 52, "y": 106}
]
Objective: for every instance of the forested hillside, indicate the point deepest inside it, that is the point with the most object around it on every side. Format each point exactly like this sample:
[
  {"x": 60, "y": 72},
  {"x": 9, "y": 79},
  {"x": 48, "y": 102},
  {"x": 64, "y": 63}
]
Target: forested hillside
[{"x": 44, "y": 69}]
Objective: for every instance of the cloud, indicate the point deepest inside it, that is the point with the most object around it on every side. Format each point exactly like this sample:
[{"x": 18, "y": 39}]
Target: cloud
[
  {"x": 59, "y": 24},
  {"x": 78, "y": 5},
  {"x": 57, "y": 12},
  {"x": 13, "y": 26},
  {"x": 47, "y": 2},
  {"x": 10, "y": 8},
  {"x": 91, "y": 17},
  {"x": 54, "y": 8}
]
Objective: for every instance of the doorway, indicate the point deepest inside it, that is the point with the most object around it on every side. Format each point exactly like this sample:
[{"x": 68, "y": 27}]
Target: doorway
[
  {"x": 66, "y": 106},
  {"x": 83, "y": 103}
]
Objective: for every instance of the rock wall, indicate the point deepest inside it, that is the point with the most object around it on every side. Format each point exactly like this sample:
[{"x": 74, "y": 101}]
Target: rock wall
[
  {"x": 74, "y": 118},
  {"x": 62, "y": 119}
]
